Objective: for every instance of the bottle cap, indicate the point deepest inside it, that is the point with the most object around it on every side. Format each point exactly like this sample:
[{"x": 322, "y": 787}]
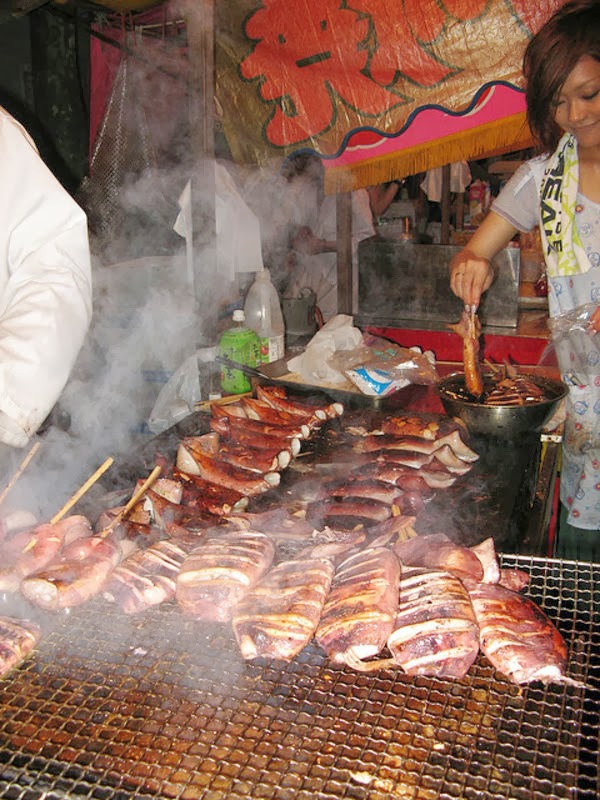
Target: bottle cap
[{"x": 238, "y": 315}]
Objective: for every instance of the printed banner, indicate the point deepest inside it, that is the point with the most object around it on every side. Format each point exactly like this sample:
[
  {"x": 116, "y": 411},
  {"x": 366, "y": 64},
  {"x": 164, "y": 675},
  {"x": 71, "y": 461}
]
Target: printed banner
[{"x": 378, "y": 88}]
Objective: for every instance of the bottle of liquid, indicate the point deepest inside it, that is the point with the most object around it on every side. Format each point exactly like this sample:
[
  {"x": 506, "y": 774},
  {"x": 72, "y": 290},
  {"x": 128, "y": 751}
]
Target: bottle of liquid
[
  {"x": 263, "y": 315},
  {"x": 241, "y": 344}
]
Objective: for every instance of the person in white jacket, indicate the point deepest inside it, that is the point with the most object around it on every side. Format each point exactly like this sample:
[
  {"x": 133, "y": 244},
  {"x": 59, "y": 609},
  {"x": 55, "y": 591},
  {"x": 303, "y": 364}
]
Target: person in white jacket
[{"x": 45, "y": 285}]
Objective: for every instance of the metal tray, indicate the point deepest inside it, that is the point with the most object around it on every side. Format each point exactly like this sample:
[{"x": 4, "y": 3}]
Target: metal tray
[
  {"x": 274, "y": 374},
  {"x": 350, "y": 399}
]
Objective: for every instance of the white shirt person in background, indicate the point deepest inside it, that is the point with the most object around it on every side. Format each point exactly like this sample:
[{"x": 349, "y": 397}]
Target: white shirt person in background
[
  {"x": 45, "y": 286},
  {"x": 315, "y": 243}
]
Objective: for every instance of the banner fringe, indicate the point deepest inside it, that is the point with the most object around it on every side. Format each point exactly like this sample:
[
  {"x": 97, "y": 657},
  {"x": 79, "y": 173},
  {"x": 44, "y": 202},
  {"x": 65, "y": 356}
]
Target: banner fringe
[{"x": 505, "y": 135}]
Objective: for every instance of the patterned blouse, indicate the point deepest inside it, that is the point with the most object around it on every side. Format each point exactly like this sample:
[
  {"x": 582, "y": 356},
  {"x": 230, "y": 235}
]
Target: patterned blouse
[{"x": 578, "y": 352}]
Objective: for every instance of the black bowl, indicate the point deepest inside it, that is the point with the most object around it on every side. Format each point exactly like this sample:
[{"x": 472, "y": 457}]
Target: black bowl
[{"x": 506, "y": 422}]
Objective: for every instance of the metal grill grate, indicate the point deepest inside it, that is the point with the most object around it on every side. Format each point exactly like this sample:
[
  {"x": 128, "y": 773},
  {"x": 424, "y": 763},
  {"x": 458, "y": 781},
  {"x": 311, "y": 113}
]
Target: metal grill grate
[{"x": 159, "y": 706}]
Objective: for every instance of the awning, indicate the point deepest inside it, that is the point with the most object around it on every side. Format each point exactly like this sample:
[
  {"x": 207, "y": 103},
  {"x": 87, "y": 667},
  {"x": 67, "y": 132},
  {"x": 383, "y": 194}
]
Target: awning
[{"x": 379, "y": 89}]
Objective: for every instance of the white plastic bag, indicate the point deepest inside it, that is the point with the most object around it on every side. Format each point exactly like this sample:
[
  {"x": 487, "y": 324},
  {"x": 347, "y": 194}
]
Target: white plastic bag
[
  {"x": 190, "y": 384},
  {"x": 313, "y": 364}
]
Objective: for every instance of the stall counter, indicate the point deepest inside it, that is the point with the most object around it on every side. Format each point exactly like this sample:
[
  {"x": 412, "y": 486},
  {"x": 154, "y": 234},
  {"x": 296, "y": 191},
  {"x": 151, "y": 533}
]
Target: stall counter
[{"x": 526, "y": 345}]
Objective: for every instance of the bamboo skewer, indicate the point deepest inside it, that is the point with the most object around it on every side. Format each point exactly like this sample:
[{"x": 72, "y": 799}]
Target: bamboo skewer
[
  {"x": 82, "y": 490},
  {"x": 203, "y": 405},
  {"x": 495, "y": 369},
  {"x": 20, "y": 470},
  {"x": 136, "y": 497}
]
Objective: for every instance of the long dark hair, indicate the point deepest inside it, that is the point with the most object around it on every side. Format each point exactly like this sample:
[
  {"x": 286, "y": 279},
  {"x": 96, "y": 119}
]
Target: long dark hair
[{"x": 571, "y": 33}]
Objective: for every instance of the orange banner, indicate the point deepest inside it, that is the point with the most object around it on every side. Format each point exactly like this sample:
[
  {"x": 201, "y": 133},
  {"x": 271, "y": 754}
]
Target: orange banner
[{"x": 318, "y": 74}]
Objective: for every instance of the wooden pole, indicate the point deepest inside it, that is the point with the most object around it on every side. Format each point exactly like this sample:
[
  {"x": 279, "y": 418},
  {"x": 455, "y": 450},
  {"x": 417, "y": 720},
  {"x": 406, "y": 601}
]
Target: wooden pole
[
  {"x": 135, "y": 499},
  {"x": 345, "y": 276},
  {"x": 200, "y": 22},
  {"x": 445, "y": 228}
]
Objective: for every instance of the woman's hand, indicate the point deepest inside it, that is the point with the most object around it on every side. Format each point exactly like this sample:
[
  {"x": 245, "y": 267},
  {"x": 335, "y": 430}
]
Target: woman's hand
[
  {"x": 471, "y": 272},
  {"x": 470, "y": 276}
]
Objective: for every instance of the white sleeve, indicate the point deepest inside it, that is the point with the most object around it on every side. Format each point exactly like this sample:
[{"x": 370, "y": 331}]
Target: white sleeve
[
  {"x": 362, "y": 216},
  {"x": 519, "y": 200},
  {"x": 45, "y": 284}
]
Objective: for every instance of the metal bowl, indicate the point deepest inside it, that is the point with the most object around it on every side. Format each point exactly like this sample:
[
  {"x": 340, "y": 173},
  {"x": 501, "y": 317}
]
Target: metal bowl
[{"x": 506, "y": 422}]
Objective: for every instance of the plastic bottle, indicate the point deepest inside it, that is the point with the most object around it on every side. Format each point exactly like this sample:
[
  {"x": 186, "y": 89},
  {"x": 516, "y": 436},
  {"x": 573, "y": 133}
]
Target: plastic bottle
[
  {"x": 238, "y": 343},
  {"x": 263, "y": 315}
]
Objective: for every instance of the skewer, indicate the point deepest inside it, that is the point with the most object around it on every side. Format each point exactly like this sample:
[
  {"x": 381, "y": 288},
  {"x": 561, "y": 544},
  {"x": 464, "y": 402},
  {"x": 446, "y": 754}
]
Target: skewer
[
  {"x": 20, "y": 470},
  {"x": 82, "y": 490},
  {"x": 495, "y": 369},
  {"x": 136, "y": 497},
  {"x": 203, "y": 405}
]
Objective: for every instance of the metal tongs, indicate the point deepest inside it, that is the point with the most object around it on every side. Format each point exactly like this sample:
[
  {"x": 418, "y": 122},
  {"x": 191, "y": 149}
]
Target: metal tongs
[{"x": 276, "y": 369}]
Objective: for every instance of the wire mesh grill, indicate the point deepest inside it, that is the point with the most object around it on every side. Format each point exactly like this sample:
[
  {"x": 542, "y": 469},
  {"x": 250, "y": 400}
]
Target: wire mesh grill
[{"x": 161, "y": 706}]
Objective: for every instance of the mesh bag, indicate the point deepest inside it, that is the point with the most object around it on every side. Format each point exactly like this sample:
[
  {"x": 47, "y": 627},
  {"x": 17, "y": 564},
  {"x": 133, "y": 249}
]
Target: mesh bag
[{"x": 128, "y": 207}]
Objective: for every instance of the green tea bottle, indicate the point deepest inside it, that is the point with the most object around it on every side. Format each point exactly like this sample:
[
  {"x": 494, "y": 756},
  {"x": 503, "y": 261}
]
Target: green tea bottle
[{"x": 240, "y": 344}]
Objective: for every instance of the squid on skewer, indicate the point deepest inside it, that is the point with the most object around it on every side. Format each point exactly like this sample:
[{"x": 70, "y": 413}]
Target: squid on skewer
[{"x": 469, "y": 329}]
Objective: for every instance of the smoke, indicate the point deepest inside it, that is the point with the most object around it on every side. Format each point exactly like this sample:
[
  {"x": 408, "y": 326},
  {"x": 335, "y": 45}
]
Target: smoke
[
  {"x": 144, "y": 325},
  {"x": 148, "y": 317}
]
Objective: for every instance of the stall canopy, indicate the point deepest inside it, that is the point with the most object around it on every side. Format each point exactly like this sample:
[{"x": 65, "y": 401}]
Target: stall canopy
[{"x": 379, "y": 89}]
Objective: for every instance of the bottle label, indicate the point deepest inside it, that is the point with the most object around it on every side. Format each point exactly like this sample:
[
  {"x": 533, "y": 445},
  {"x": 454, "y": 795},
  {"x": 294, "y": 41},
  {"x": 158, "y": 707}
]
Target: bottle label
[
  {"x": 276, "y": 348},
  {"x": 272, "y": 348},
  {"x": 241, "y": 346}
]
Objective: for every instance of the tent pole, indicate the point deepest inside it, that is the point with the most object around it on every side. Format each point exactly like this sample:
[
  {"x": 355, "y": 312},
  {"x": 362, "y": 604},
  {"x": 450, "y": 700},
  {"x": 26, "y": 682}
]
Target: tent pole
[
  {"x": 200, "y": 21},
  {"x": 445, "y": 227},
  {"x": 345, "y": 276}
]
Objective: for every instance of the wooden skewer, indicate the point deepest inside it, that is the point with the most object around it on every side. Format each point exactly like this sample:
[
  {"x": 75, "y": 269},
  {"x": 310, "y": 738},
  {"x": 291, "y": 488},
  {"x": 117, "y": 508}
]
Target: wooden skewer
[
  {"x": 495, "y": 369},
  {"x": 82, "y": 490},
  {"x": 21, "y": 469},
  {"x": 136, "y": 497},
  {"x": 202, "y": 405}
]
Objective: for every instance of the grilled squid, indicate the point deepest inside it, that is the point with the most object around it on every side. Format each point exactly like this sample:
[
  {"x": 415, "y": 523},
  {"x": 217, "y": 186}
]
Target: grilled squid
[{"x": 469, "y": 329}]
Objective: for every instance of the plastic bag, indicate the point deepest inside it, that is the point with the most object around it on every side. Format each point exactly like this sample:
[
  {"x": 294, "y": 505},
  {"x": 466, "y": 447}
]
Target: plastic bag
[
  {"x": 314, "y": 365},
  {"x": 339, "y": 354},
  {"x": 390, "y": 367},
  {"x": 195, "y": 380},
  {"x": 577, "y": 347}
]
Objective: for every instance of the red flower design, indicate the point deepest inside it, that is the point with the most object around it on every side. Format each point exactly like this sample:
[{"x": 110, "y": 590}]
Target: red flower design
[{"x": 305, "y": 56}]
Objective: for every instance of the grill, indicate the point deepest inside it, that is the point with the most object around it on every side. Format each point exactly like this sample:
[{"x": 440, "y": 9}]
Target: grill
[{"x": 161, "y": 706}]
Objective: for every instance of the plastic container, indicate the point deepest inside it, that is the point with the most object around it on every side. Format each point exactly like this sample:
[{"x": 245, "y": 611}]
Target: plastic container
[
  {"x": 238, "y": 343},
  {"x": 263, "y": 315}
]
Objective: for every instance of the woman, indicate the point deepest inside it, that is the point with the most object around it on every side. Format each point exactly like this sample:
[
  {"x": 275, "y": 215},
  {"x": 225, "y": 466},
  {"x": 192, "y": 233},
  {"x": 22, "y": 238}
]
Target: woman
[{"x": 560, "y": 192}]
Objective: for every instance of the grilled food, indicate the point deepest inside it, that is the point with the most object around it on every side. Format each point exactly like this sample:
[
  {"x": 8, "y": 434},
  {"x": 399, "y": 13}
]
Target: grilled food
[
  {"x": 469, "y": 329},
  {"x": 278, "y": 617},
  {"x": 516, "y": 636},
  {"x": 27, "y": 551},
  {"x": 435, "y": 632},
  {"x": 238, "y": 479},
  {"x": 148, "y": 577},
  {"x": 360, "y": 611},
  {"x": 18, "y": 637},
  {"x": 77, "y": 574},
  {"x": 437, "y": 551},
  {"x": 217, "y": 574}
]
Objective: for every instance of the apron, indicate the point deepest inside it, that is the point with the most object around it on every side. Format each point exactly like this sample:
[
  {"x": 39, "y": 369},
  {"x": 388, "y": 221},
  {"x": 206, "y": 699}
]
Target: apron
[{"x": 578, "y": 352}]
